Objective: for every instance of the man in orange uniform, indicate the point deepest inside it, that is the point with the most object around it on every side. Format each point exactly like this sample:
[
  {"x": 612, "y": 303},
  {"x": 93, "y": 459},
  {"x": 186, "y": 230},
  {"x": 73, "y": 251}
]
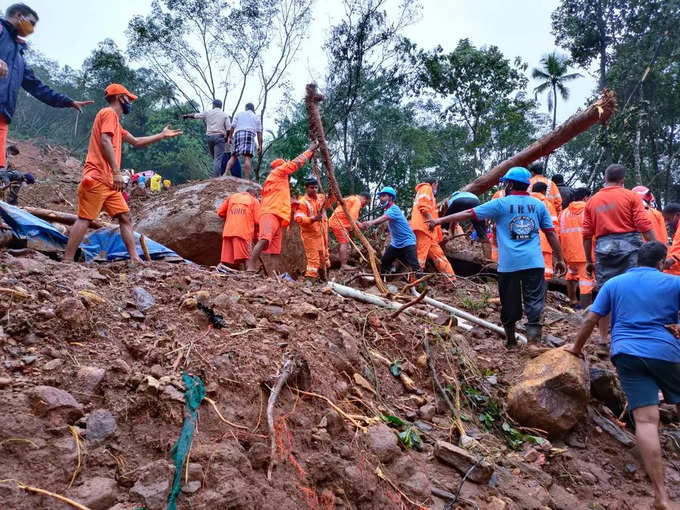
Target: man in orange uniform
[
  {"x": 310, "y": 214},
  {"x": 102, "y": 180},
  {"x": 241, "y": 212},
  {"x": 671, "y": 214},
  {"x": 571, "y": 238},
  {"x": 553, "y": 192},
  {"x": 340, "y": 225},
  {"x": 275, "y": 209},
  {"x": 655, "y": 216},
  {"x": 427, "y": 240},
  {"x": 538, "y": 191}
]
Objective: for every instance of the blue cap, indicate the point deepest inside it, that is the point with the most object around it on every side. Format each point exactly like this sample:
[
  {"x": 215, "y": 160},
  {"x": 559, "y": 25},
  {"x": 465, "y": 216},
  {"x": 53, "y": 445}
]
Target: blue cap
[
  {"x": 389, "y": 190},
  {"x": 517, "y": 173},
  {"x": 29, "y": 178}
]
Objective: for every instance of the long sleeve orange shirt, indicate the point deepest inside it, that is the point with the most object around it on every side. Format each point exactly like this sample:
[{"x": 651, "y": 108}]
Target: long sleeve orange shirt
[
  {"x": 614, "y": 210},
  {"x": 276, "y": 189},
  {"x": 424, "y": 202},
  {"x": 571, "y": 232},
  {"x": 338, "y": 217}
]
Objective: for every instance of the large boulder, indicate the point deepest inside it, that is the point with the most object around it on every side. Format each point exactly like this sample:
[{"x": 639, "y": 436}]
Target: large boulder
[
  {"x": 185, "y": 220},
  {"x": 552, "y": 393}
]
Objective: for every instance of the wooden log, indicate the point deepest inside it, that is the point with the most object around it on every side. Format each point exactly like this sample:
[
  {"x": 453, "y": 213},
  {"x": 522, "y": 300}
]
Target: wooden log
[
  {"x": 599, "y": 112},
  {"x": 312, "y": 100},
  {"x": 61, "y": 217}
]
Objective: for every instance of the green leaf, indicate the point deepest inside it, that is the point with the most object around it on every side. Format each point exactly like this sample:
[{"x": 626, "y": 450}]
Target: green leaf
[
  {"x": 395, "y": 369},
  {"x": 388, "y": 418},
  {"x": 410, "y": 438}
]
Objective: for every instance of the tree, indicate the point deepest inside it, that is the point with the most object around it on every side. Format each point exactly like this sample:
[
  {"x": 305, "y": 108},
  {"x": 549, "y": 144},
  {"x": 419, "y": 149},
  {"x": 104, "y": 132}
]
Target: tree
[{"x": 554, "y": 73}]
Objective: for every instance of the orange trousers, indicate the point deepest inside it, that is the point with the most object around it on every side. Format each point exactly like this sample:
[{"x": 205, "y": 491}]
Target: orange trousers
[
  {"x": 576, "y": 272},
  {"x": 429, "y": 248},
  {"x": 547, "y": 258},
  {"x": 315, "y": 253}
]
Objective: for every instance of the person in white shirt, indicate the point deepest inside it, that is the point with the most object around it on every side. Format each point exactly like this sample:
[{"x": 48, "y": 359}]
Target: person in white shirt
[
  {"x": 247, "y": 125},
  {"x": 217, "y": 131}
]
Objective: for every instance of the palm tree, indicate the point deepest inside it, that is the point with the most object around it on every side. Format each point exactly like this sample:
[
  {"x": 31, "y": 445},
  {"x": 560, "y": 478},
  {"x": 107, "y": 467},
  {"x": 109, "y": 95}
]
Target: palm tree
[{"x": 553, "y": 72}]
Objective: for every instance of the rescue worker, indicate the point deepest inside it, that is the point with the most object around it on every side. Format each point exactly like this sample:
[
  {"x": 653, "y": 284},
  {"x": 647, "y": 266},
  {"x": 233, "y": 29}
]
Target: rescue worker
[
  {"x": 615, "y": 217},
  {"x": 671, "y": 214},
  {"x": 241, "y": 212},
  {"x": 538, "y": 191},
  {"x": 462, "y": 201},
  {"x": 275, "y": 208},
  {"x": 654, "y": 215},
  {"x": 11, "y": 182},
  {"x": 571, "y": 238},
  {"x": 310, "y": 214},
  {"x": 518, "y": 218},
  {"x": 428, "y": 241},
  {"x": 102, "y": 180},
  {"x": 19, "y": 22},
  {"x": 340, "y": 225},
  {"x": 553, "y": 192},
  {"x": 402, "y": 239},
  {"x": 155, "y": 185}
]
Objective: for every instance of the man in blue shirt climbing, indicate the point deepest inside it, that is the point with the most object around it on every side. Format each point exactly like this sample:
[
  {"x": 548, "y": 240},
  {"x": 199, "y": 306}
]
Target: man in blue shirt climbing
[
  {"x": 518, "y": 218},
  {"x": 19, "y": 22},
  {"x": 644, "y": 305},
  {"x": 402, "y": 239}
]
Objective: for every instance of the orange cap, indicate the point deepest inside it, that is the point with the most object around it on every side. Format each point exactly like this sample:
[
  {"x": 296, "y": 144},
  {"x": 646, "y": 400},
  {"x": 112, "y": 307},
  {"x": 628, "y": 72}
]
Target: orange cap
[
  {"x": 116, "y": 88},
  {"x": 278, "y": 162}
]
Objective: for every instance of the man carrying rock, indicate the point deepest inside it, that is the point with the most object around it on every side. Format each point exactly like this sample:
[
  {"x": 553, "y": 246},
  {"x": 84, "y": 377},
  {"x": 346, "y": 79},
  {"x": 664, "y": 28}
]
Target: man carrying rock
[
  {"x": 643, "y": 303},
  {"x": 102, "y": 181},
  {"x": 241, "y": 212},
  {"x": 276, "y": 208},
  {"x": 518, "y": 217}
]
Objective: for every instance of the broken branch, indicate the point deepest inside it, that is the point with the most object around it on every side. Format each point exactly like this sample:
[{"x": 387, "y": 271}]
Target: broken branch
[
  {"x": 418, "y": 299},
  {"x": 285, "y": 374}
]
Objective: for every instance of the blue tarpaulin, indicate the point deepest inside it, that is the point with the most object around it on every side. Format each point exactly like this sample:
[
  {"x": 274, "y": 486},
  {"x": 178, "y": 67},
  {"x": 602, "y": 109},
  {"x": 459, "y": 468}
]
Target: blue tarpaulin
[{"x": 101, "y": 244}]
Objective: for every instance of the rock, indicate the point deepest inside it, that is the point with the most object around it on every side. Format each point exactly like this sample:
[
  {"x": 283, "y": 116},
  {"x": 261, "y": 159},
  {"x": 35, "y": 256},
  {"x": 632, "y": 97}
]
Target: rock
[
  {"x": 149, "y": 274},
  {"x": 29, "y": 360},
  {"x": 89, "y": 379},
  {"x": 462, "y": 460},
  {"x": 418, "y": 485},
  {"x": 258, "y": 455},
  {"x": 46, "y": 313},
  {"x": 169, "y": 392},
  {"x": 73, "y": 312},
  {"x": 562, "y": 499},
  {"x": 427, "y": 412},
  {"x": 143, "y": 299},
  {"x": 137, "y": 315},
  {"x": 58, "y": 406},
  {"x": 604, "y": 386},
  {"x": 191, "y": 487},
  {"x": 224, "y": 301},
  {"x": 153, "y": 484},
  {"x": 552, "y": 393},
  {"x": 195, "y": 471},
  {"x": 382, "y": 441},
  {"x": 613, "y": 430},
  {"x": 630, "y": 468},
  {"x": 5, "y": 381},
  {"x": 334, "y": 423},
  {"x": 53, "y": 364},
  {"x": 306, "y": 310},
  {"x": 496, "y": 504},
  {"x": 97, "y": 493},
  {"x": 555, "y": 341},
  {"x": 101, "y": 424}
]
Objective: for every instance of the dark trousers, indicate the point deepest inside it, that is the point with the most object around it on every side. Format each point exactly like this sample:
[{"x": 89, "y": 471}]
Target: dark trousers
[
  {"x": 528, "y": 286},
  {"x": 464, "y": 204},
  {"x": 216, "y": 148},
  {"x": 408, "y": 255},
  {"x": 11, "y": 181}
]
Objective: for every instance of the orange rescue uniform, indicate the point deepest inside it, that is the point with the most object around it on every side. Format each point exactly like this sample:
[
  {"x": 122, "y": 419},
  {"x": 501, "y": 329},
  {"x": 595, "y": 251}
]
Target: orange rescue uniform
[
  {"x": 240, "y": 212},
  {"x": 314, "y": 233},
  {"x": 656, "y": 218},
  {"x": 427, "y": 241},
  {"x": 339, "y": 223},
  {"x": 553, "y": 192},
  {"x": 545, "y": 245},
  {"x": 276, "y": 209},
  {"x": 571, "y": 239},
  {"x": 673, "y": 252},
  {"x": 614, "y": 210},
  {"x": 96, "y": 187}
]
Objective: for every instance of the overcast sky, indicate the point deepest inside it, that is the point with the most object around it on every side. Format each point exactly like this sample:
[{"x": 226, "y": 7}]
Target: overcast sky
[{"x": 69, "y": 29}]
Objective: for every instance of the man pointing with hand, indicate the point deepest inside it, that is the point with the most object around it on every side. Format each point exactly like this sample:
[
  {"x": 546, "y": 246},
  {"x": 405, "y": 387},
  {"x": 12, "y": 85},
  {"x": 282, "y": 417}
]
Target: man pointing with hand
[
  {"x": 102, "y": 180},
  {"x": 20, "y": 22}
]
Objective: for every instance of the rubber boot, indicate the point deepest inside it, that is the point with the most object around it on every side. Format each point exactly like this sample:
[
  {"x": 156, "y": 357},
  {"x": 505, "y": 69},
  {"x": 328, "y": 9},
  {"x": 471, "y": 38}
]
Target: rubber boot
[
  {"x": 534, "y": 333},
  {"x": 510, "y": 337}
]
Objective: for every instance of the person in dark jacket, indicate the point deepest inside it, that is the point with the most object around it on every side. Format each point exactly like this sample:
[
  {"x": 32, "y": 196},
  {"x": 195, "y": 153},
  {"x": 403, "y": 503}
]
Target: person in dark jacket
[
  {"x": 19, "y": 22},
  {"x": 566, "y": 192}
]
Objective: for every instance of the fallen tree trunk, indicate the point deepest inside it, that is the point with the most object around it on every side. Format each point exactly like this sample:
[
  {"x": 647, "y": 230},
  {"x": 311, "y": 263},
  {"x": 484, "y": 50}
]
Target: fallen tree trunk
[
  {"x": 60, "y": 217},
  {"x": 312, "y": 100},
  {"x": 599, "y": 112}
]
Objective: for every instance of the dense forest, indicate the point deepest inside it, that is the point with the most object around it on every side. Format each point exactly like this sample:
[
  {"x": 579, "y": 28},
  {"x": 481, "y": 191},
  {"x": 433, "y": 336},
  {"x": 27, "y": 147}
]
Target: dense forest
[{"x": 394, "y": 112}]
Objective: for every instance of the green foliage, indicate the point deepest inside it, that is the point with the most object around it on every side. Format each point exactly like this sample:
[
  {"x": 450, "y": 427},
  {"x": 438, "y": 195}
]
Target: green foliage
[
  {"x": 410, "y": 438},
  {"x": 392, "y": 420},
  {"x": 554, "y": 75}
]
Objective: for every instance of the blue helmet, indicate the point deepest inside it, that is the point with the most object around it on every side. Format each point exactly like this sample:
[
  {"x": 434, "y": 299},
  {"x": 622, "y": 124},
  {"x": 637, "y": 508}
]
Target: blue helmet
[
  {"x": 517, "y": 173},
  {"x": 388, "y": 190}
]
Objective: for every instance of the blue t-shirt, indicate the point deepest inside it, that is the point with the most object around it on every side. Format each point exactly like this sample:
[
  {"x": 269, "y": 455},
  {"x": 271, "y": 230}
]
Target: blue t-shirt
[
  {"x": 518, "y": 218},
  {"x": 400, "y": 230},
  {"x": 460, "y": 194},
  {"x": 641, "y": 302}
]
